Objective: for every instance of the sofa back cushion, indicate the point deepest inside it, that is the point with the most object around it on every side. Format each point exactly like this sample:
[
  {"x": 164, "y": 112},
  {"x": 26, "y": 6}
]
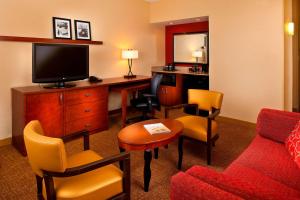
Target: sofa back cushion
[
  {"x": 275, "y": 124},
  {"x": 292, "y": 143}
]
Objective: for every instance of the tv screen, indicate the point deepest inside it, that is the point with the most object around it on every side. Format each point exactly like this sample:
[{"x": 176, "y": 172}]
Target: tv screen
[{"x": 59, "y": 63}]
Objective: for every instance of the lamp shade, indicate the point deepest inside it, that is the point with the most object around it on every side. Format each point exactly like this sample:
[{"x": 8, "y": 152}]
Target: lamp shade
[
  {"x": 130, "y": 54},
  {"x": 290, "y": 28},
  {"x": 197, "y": 54}
]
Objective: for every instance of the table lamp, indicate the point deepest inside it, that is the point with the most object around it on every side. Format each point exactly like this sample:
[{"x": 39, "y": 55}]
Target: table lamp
[
  {"x": 130, "y": 54},
  {"x": 197, "y": 54}
]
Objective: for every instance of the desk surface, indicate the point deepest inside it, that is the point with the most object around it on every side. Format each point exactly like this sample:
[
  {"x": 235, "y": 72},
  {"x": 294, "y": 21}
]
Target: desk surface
[{"x": 82, "y": 84}]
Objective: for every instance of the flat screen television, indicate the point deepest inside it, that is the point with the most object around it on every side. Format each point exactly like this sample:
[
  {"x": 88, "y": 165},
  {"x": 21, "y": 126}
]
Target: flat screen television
[{"x": 59, "y": 63}]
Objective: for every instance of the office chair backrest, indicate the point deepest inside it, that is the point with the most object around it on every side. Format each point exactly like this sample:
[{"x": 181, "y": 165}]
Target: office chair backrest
[
  {"x": 44, "y": 153},
  {"x": 205, "y": 99},
  {"x": 155, "y": 83}
]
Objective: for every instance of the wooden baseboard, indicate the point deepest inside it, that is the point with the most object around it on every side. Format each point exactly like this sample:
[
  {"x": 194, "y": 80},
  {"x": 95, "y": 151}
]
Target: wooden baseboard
[
  {"x": 223, "y": 118},
  {"x": 4, "y": 142}
]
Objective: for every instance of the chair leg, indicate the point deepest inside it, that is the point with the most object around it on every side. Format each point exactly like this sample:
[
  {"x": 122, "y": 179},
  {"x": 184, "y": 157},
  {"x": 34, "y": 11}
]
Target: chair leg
[
  {"x": 208, "y": 152},
  {"x": 121, "y": 162},
  {"x": 39, "y": 184},
  {"x": 180, "y": 152}
]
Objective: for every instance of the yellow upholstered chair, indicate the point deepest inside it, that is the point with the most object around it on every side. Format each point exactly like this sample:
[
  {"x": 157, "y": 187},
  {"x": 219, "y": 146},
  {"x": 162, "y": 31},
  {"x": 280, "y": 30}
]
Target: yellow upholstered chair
[
  {"x": 85, "y": 175},
  {"x": 201, "y": 128}
]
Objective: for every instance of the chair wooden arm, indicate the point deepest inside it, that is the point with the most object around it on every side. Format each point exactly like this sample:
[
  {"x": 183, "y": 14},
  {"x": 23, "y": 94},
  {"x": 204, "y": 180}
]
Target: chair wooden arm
[
  {"x": 191, "y": 109},
  {"x": 214, "y": 114},
  {"x": 187, "y": 109},
  {"x": 125, "y": 157},
  {"x": 92, "y": 166},
  {"x": 84, "y": 133}
]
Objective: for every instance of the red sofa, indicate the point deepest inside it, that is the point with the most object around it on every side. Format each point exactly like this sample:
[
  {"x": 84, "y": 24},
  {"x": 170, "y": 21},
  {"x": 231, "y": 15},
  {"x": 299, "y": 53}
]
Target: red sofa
[{"x": 265, "y": 170}]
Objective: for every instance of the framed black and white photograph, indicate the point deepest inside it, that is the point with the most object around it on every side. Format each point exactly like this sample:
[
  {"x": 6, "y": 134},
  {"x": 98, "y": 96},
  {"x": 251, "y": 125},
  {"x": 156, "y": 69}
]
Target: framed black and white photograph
[
  {"x": 82, "y": 30},
  {"x": 62, "y": 28}
]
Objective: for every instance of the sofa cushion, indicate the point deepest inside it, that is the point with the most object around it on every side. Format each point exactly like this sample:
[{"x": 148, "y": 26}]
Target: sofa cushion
[
  {"x": 269, "y": 158},
  {"x": 275, "y": 124},
  {"x": 292, "y": 143},
  {"x": 184, "y": 186},
  {"x": 263, "y": 183},
  {"x": 242, "y": 187}
]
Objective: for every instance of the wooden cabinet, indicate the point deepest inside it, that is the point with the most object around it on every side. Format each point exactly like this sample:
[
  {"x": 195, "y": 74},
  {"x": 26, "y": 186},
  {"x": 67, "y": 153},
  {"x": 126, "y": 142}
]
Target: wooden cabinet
[
  {"x": 60, "y": 111},
  {"x": 171, "y": 93},
  {"x": 86, "y": 109},
  {"x": 48, "y": 109}
]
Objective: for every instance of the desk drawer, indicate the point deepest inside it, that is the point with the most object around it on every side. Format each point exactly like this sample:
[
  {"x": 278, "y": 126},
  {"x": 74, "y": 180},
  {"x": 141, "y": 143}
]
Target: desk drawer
[
  {"x": 83, "y": 110},
  {"x": 91, "y": 123},
  {"x": 86, "y": 95}
]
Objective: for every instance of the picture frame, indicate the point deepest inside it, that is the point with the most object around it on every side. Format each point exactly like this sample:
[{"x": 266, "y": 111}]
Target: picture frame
[
  {"x": 62, "y": 28},
  {"x": 82, "y": 30}
]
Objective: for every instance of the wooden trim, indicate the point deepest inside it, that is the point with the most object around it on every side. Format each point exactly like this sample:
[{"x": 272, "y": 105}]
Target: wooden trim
[
  {"x": 223, "y": 118},
  {"x": 5, "y": 141},
  {"x": 47, "y": 40},
  {"x": 91, "y": 166}
]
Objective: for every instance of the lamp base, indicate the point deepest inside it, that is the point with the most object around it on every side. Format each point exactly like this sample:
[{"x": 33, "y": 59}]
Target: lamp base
[{"x": 129, "y": 76}]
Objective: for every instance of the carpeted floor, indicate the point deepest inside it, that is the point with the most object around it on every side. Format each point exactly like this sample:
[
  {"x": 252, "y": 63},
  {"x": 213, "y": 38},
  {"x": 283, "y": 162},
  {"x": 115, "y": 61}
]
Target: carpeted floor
[{"x": 18, "y": 182}]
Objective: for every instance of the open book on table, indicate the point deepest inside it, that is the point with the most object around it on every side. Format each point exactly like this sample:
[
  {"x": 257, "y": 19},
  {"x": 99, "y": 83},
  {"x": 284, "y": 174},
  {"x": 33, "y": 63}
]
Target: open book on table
[{"x": 156, "y": 128}]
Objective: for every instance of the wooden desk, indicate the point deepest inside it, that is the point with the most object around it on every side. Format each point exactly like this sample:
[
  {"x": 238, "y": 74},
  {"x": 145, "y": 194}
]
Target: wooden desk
[
  {"x": 136, "y": 137},
  {"x": 67, "y": 110},
  {"x": 124, "y": 90}
]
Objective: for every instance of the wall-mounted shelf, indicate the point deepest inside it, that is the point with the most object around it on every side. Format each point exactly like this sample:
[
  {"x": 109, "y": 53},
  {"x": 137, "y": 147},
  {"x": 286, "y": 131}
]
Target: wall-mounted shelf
[{"x": 48, "y": 40}]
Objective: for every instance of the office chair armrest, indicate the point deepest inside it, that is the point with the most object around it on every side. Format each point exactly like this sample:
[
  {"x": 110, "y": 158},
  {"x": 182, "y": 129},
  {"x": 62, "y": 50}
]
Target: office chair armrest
[
  {"x": 214, "y": 114},
  {"x": 149, "y": 95},
  {"x": 94, "y": 165},
  {"x": 84, "y": 133}
]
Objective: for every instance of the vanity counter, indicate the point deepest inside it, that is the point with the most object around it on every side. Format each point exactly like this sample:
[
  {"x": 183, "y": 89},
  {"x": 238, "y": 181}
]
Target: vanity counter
[{"x": 179, "y": 70}]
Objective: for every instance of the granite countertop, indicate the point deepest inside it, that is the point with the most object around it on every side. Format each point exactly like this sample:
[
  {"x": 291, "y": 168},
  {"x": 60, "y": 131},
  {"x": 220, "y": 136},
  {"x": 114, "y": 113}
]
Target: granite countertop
[{"x": 179, "y": 70}]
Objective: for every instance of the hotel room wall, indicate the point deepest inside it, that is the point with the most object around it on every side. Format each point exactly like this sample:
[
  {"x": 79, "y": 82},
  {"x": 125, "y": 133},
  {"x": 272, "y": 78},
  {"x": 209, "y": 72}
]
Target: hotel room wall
[
  {"x": 246, "y": 50},
  {"x": 119, "y": 24}
]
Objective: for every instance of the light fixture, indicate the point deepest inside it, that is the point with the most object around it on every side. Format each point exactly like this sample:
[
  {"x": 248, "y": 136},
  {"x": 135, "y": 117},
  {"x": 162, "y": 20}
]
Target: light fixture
[
  {"x": 130, "y": 54},
  {"x": 290, "y": 28}
]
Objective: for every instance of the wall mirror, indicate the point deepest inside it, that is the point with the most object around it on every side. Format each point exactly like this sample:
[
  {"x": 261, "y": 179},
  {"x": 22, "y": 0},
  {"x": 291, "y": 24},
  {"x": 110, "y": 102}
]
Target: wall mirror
[{"x": 191, "y": 48}]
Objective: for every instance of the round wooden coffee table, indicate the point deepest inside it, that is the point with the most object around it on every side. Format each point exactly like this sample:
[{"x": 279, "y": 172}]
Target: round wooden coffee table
[{"x": 136, "y": 137}]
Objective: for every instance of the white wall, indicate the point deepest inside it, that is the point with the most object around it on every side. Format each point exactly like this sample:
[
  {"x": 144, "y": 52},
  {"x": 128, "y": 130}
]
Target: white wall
[
  {"x": 246, "y": 50},
  {"x": 118, "y": 23}
]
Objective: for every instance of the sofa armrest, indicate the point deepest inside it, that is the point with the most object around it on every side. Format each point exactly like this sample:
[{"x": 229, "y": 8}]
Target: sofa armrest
[
  {"x": 241, "y": 187},
  {"x": 275, "y": 124},
  {"x": 184, "y": 186}
]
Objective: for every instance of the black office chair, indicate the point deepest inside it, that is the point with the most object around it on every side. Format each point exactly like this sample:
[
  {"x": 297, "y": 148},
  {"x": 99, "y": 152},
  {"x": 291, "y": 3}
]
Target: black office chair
[{"x": 148, "y": 101}]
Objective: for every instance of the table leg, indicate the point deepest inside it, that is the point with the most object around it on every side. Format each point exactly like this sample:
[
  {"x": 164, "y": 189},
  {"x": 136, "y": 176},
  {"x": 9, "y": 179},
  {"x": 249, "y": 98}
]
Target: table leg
[
  {"x": 180, "y": 152},
  {"x": 147, "y": 169},
  {"x": 156, "y": 153},
  {"x": 124, "y": 94},
  {"x": 121, "y": 163}
]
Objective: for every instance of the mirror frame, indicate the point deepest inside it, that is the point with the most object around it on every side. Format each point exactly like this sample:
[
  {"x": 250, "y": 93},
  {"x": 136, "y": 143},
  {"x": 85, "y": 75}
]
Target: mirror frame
[{"x": 191, "y": 33}]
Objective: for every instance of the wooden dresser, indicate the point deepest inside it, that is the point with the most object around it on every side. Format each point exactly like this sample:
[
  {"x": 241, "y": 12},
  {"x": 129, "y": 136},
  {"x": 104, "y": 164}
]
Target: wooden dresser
[{"x": 61, "y": 111}]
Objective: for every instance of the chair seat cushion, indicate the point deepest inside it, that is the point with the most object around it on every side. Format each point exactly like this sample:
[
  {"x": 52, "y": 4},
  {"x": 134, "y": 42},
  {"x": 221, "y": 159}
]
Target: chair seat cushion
[
  {"x": 196, "y": 127},
  {"x": 101, "y": 183}
]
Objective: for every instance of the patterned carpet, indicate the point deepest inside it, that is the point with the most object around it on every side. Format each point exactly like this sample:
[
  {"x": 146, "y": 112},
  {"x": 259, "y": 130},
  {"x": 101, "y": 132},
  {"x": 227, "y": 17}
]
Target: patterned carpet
[{"x": 18, "y": 182}]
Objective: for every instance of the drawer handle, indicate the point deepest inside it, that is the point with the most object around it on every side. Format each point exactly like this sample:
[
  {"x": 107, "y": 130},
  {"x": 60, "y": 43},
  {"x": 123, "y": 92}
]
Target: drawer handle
[
  {"x": 87, "y": 110},
  {"x": 88, "y": 95},
  {"x": 87, "y": 125}
]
